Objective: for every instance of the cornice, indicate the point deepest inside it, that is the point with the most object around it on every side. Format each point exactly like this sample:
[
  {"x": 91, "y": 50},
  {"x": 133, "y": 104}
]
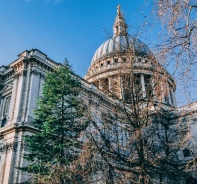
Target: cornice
[
  {"x": 16, "y": 127},
  {"x": 35, "y": 54}
]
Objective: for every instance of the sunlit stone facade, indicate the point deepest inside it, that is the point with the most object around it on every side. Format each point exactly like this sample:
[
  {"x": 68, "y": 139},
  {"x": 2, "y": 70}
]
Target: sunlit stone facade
[{"x": 21, "y": 84}]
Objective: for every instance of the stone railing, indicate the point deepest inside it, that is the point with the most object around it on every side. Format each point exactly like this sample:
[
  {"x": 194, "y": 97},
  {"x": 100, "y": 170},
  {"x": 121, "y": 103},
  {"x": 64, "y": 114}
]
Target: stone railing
[
  {"x": 120, "y": 65},
  {"x": 190, "y": 107}
]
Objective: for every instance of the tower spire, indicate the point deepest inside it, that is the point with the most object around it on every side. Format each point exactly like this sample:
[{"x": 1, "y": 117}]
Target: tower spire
[
  {"x": 118, "y": 9},
  {"x": 120, "y": 27}
]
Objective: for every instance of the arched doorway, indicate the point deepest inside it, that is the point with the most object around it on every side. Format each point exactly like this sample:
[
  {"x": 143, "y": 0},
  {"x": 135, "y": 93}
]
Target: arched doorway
[{"x": 191, "y": 180}]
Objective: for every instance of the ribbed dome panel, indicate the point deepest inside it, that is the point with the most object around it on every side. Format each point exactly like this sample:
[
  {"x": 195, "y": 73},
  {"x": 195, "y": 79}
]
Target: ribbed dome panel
[{"x": 121, "y": 43}]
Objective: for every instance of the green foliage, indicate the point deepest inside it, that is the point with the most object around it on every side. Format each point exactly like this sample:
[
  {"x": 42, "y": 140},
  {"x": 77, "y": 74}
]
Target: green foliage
[
  {"x": 61, "y": 121},
  {"x": 67, "y": 64}
]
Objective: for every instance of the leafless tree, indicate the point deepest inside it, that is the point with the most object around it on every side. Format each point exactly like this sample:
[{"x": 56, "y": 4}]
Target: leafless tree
[
  {"x": 139, "y": 139},
  {"x": 177, "y": 41}
]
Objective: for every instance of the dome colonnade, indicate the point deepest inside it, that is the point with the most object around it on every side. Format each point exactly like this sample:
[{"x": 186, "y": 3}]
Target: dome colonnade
[{"x": 123, "y": 60}]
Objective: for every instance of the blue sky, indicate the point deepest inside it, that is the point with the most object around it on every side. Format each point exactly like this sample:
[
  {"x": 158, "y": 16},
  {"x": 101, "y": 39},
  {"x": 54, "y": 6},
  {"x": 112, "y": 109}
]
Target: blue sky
[
  {"x": 71, "y": 29},
  {"x": 63, "y": 28}
]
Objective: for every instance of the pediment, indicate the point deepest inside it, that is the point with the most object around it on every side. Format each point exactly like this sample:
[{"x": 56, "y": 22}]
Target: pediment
[{"x": 6, "y": 89}]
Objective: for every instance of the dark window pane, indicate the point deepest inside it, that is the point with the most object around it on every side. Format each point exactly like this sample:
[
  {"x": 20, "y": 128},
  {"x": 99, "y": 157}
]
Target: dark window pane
[
  {"x": 148, "y": 85},
  {"x": 186, "y": 153}
]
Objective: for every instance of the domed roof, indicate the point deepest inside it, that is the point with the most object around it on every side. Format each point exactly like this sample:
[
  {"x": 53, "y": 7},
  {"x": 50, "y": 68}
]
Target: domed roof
[{"x": 121, "y": 43}]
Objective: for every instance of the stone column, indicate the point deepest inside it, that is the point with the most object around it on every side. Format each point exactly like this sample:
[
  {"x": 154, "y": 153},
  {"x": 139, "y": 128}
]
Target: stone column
[
  {"x": 110, "y": 83},
  {"x": 153, "y": 88},
  {"x": 171, "y": 96},
  {"x": 143, "y": 85},
  {"x": 33, "y": 93},
  {"x": 18, "y": 99},
  {"x": 3, "y": 165},
  {"x": 18, "y": 176},
  {"x": 162, "y": 93},
  {"x": 1, "y": 100},
  {"x": 14, "y": 97},
  {"x": 2, "y": 107},
  {"x": 14, "y": 92},
  {"x": 26, "y": 92},
  {"x": 42, "y": 80},
  {"x": 8, "y": 165},
  {"x": 2, "y": 111},
  {"x": 100, "y": 84},
  {"x": 121, "y": 89}
]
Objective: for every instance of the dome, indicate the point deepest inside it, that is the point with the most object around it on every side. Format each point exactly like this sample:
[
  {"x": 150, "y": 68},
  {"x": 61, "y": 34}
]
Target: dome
[
  {"x": 122, "y": 59},
  {"x": 121, "y": 43}
]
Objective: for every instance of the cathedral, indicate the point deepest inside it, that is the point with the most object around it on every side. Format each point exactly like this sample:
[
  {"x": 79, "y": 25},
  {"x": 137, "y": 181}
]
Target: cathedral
[{"x": 21, "y": 83}]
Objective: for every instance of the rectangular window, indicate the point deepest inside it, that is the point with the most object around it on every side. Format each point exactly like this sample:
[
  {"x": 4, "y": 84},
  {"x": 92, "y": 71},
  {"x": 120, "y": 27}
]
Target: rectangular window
[
  {"x": 105, "y": 85},
  {"x": 148, "y": 85},
  {"x": 127, "y": 87},
  {"x": 138, "y": 86},
  {"x": 186, "y": 152}
]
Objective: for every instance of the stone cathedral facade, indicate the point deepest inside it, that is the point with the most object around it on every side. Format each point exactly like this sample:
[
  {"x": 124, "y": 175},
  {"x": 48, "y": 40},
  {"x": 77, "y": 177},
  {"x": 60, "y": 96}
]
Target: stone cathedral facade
[{"x": 21, "y": 84}]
